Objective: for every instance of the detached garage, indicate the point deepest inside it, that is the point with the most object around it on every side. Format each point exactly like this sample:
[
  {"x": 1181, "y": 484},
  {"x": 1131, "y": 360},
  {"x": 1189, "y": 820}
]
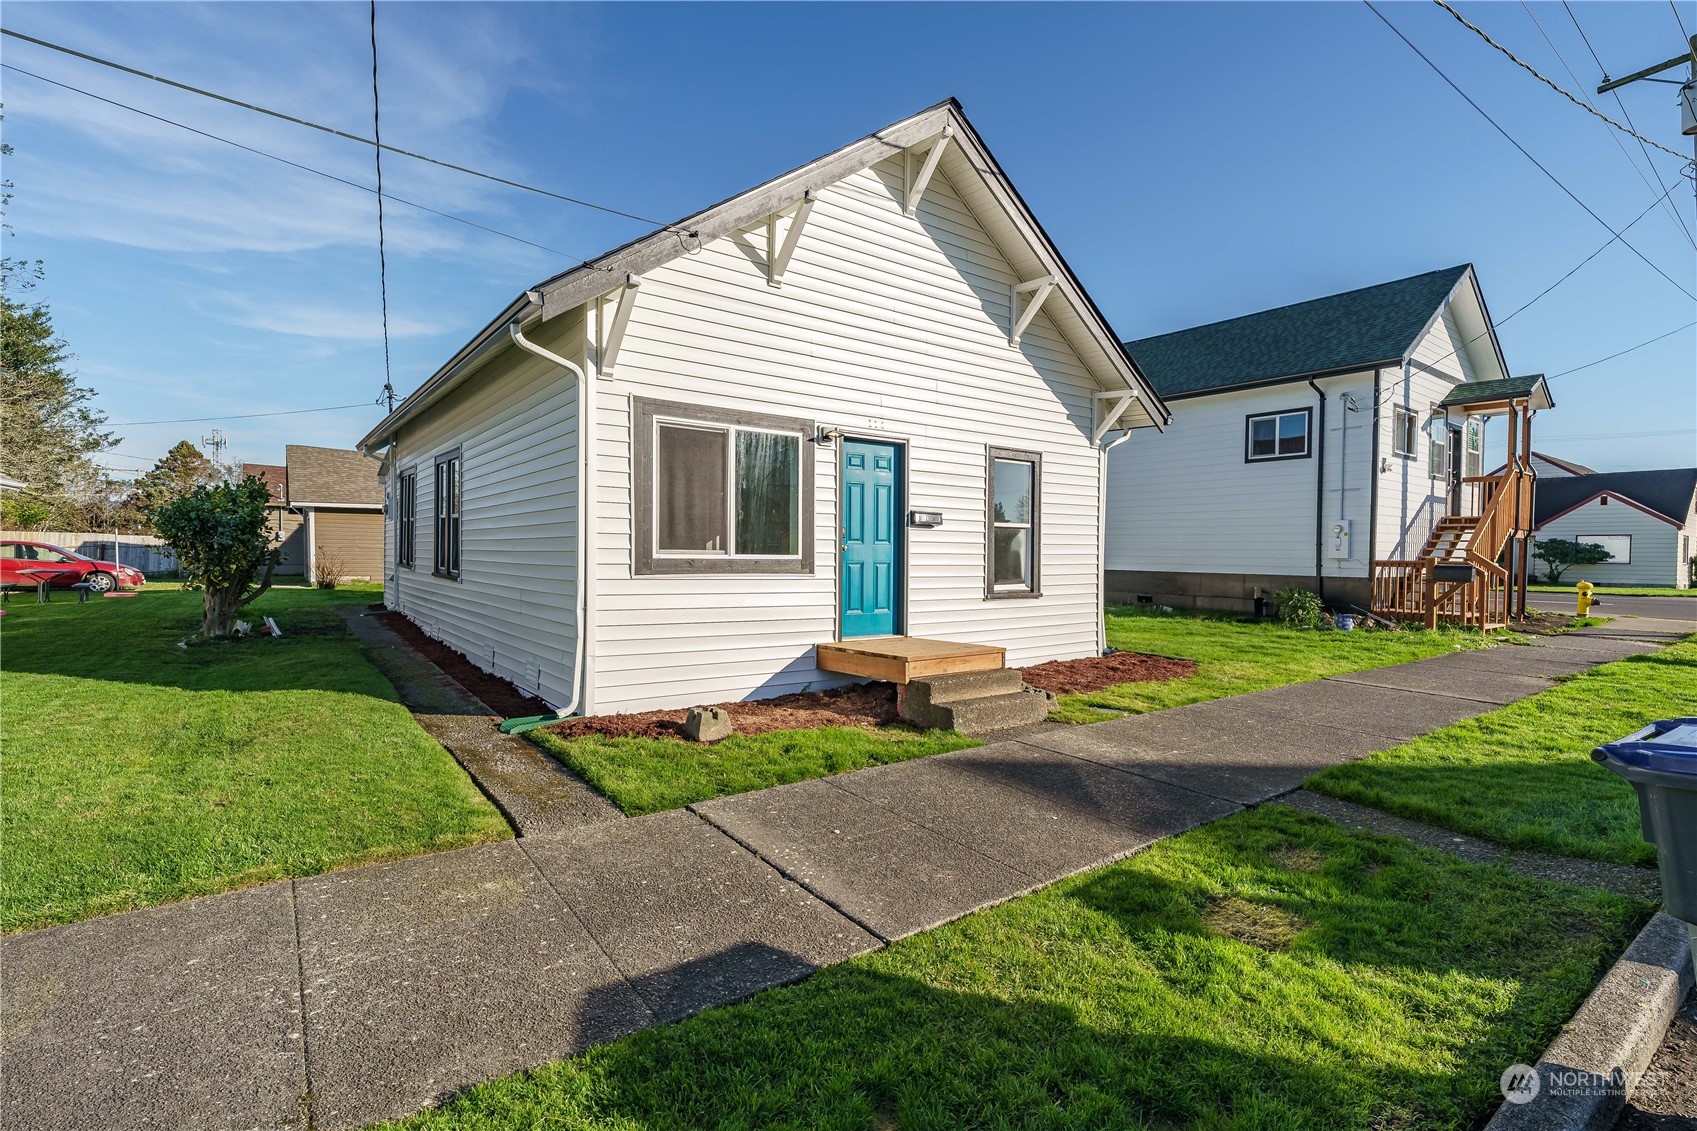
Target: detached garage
[{"x": 1647, "y": 520}]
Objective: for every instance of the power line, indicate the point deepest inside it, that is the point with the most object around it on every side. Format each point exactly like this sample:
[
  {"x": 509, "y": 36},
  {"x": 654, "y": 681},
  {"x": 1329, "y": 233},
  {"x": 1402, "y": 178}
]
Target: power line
[
  {"x": 335, "y": 132},
  {"x": 1523, "y": 150},
  {"x": 1627, "y": 350},
  {"x": 297, "y": 165},
  {"x": 1680, "y": 20},
  {"x": 388, "y": 394},
  {"x": 238, "y": 416},
  {"x": 1613, "y": 136},
  {"x": 1535, "y": 73}
]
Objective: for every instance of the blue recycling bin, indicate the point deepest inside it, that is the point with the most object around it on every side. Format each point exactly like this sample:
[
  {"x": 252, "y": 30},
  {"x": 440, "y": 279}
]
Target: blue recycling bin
[{"x": 1661, "y": 763}]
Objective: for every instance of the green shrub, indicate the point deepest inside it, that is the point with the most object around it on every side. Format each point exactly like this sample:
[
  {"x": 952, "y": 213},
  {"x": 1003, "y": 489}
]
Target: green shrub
[{"x": 1299, "y": 608}]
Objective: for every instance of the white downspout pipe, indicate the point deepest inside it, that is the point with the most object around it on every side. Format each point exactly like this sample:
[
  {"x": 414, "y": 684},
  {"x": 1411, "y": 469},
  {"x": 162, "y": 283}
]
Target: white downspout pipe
[
  {"x": 585, "y": 450},
  {"x": 1102, "y": 543}
]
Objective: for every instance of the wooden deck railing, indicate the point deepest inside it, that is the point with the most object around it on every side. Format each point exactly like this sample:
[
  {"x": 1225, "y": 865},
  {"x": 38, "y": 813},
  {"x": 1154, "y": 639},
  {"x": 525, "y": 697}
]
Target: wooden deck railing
[{"x": 1499, "y": 508}]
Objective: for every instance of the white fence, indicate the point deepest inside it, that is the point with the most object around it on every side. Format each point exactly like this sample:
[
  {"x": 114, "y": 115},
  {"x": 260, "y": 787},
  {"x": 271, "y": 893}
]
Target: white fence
[{"x": 139, "y": 551}]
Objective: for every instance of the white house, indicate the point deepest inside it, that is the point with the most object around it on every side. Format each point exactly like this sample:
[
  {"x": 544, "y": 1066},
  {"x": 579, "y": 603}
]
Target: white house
[
  {"x": 1647, "y": 520},
  {"x": 866, "y": 400},
  {"x": 1310, "y": 441}
]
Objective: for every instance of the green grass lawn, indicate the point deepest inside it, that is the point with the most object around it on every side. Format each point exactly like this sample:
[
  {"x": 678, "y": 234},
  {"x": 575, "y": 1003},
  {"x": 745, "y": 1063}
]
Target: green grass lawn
[
  {"x": 1523, "y": 775},
  {"x": 1621, "y": 590},
  {"x": 1239, "y": 654},
  {"x": 138, "y": 772},
  {"x": 648, "y": 775},
  {"x": 1270, "y": 972}
]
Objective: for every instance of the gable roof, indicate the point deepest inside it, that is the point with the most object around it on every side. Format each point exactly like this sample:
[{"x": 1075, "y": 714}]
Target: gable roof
[
  {"x": 1667, "y": 493},
  {"x": 967, "y": 162},
  {"x": 276, "y": 478},
  {"x": 332, "y": 477},
  {"x": 1489, "y": 392},
  {"x": 1357, "y": 329}
]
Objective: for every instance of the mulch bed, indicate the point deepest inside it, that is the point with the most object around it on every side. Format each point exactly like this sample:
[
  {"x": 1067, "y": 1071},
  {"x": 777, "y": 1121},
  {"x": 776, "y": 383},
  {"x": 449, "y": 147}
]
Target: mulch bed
[
  {"x": 865, "y": 706},
  {"x": 501, "y": 696},
  {"x": 1093, "y": 673},
  {"x": 1542, "y": 624}
]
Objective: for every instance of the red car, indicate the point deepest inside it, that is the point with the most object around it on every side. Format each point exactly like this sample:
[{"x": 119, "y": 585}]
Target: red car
[{"x": 24, "y": 563}]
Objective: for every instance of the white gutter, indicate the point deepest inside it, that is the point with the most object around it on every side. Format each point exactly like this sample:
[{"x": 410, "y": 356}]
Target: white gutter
[
  {"x": 585, "y": 449},
  {"x": 1102, "y": 542}
]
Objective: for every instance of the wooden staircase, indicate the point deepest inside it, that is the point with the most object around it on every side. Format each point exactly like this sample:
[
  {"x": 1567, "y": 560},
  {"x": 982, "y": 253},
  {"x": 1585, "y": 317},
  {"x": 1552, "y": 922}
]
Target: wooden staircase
[{"x": 1461, "y": 576}]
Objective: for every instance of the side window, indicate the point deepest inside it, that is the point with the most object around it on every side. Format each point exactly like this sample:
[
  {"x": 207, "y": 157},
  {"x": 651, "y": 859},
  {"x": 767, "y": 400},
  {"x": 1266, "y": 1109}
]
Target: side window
[
  {"x": 1277, "y": 435},
  {"x": 1405, "y": 432},
  {"x": 406, "y": 519},
  {"x": 1473, "y": 451},
  {"x": 1438, "y": 452},
  {"x": 1014, "y": 523},
  {"x": 448, "y": 515}
]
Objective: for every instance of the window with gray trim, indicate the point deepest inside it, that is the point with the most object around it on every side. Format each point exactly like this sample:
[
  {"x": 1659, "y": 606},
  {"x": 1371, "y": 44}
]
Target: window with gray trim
[
  {"x": 1277, "y": 435},
  {"x": 406, "y": 518},
  {"x": 1013, "y": 523},
  {"x": 721, "y": 491},
  {"x": 1405, "y": 432},
  {"x": 448, "y": 515}
]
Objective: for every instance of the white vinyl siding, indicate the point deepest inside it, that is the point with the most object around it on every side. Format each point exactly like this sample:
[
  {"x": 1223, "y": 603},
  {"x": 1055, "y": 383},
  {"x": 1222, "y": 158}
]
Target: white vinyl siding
[
  {"x": 885, "y": 327},
  {"x": 1655, "y": 544},
  {"x": 1187, "y": 501},
  {"x": 1411, "y": 498},
  {"x": 512, "y": 610}
]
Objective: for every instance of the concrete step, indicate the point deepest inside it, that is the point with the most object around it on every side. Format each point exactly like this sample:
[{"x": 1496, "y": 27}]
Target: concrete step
[
  {"x": 980, "y": 715},
  {"x": 965, "y": 685}
]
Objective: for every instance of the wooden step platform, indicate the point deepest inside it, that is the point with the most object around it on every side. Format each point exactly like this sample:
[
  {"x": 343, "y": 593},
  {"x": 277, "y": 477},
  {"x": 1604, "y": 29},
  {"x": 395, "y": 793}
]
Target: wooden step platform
[{"x": 899, "y": 659}]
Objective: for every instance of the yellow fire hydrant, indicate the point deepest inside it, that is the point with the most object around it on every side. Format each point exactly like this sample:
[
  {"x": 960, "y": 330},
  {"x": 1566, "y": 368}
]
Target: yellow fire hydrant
[{"x": 1585, "y": 599}]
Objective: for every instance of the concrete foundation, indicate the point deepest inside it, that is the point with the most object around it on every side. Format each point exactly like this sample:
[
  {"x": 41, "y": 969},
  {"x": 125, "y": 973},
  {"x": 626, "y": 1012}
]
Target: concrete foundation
[{"x": 1233, "y": 592}]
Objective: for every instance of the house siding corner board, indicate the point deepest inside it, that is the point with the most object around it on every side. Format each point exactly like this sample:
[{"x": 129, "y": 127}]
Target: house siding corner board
[
  {"x": 512, "y": 610},
  {"x": 1411, "y": 500},
  {"x": 1655, "y": 544},
  {"x": 885, "y": 327},
  {"x": 1187, "y": 502}
]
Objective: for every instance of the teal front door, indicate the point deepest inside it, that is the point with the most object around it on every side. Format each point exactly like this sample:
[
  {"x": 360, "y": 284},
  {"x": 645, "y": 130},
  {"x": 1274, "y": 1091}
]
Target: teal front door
[{"x": 871, "y": 576}]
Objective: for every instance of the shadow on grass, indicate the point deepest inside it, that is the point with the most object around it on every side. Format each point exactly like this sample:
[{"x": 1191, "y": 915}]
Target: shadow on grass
[{"x": 1401, "y": 985}]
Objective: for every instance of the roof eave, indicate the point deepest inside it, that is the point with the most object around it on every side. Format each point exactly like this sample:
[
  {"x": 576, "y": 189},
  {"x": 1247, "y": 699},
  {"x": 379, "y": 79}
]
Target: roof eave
[{"x": 1268, "y": 382}]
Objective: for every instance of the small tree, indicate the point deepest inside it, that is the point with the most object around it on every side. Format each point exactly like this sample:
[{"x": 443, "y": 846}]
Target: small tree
[
  {"x": 221, "y": 539},
  {"x": 1560, "y": 555},
  {"x": 178, "y": 472}
]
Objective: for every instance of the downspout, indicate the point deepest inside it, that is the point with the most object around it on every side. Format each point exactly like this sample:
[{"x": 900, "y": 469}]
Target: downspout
[
  {"x": 1102, "y": 541},
  {"x": 1320, "y": 496},
  {"x": 585, "y": 447}
]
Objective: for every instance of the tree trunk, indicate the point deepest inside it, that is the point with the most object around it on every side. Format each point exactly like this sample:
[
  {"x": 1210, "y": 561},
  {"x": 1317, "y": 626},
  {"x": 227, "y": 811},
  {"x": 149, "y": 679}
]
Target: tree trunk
[{"x": 220, "y": 611}]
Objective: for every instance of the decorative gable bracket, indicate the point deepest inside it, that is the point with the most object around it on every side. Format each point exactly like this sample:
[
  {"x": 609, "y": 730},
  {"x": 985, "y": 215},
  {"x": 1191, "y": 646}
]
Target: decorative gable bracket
[
  {"x": 917, "y": 185},
  {"x": 1109, "y": 408},
  {"x": 1039, "y": 289},
  {"x": 621, "y": 320},
  {"x": 778, "y": 255}
]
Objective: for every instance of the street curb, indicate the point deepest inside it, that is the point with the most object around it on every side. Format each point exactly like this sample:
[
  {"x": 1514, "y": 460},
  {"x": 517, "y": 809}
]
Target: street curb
[{"x": 1587, "y": 1074}]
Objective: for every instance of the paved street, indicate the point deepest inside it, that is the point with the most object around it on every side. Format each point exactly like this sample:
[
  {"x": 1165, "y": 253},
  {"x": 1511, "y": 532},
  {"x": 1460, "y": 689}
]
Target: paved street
[{"x": 341, "y": 999}]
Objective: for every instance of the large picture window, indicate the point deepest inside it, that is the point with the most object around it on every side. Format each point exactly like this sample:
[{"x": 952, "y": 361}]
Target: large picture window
[
  {"x": 406, "y": 518},
  {"x": 1277, "y": 435},
  {"x": 1619, "y": 546},
  {"x": 720, "y": 491},
  {"x": 1013, "y": 523},
  {"x": 448, "y": 515}
]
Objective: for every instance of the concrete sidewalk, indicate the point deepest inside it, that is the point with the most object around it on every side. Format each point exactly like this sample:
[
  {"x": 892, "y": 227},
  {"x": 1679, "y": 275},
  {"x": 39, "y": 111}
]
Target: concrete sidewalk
[{"x": 341, "y": 999}]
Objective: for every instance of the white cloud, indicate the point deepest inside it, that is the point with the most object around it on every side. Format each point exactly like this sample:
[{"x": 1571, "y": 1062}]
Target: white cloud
[{"x": 322, "y": 321}]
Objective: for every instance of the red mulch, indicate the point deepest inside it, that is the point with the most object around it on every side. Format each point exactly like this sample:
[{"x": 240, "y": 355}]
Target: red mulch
[
  {"x": 1093, "y": 673},
  {"x": 866, "y": 706},
  {"x": 501, "y": 696}
]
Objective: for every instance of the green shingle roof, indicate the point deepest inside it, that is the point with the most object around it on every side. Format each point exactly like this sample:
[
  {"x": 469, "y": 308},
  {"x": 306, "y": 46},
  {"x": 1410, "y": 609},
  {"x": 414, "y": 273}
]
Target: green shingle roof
[
  {"x": 1373, "y": 324},
  {"x": 1481, "y": 392}
]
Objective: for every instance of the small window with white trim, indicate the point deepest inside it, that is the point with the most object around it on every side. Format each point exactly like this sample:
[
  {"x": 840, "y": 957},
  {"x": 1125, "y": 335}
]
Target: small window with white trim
[
  {"x": 1473, "y": 453},
  {"x": 1278, "y": 435},
  {"x": 1405, "y": 432},
  {"x": 720, "y": 491}
]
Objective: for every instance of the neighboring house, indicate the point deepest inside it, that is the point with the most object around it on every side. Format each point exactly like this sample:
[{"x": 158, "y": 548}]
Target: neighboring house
[
  {"x": 863, "y": 402},
  {"x": 285, "y": 524},
  {"x": 1311, "y": 441},
  {"x": 326, "y": 502},
  {"x": 339, "y": 496},
  {"x": 1549, "y": 467},
  {"x": 1646, "y": 519}
]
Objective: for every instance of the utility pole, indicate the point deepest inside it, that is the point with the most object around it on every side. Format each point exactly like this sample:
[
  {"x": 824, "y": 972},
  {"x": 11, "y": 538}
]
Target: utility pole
[{"x": 1687, "y": 90}]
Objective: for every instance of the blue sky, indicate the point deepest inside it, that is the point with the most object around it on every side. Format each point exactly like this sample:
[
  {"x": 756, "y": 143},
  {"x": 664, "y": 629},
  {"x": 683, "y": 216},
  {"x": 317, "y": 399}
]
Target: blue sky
[{"x": 1192, "y": 161}]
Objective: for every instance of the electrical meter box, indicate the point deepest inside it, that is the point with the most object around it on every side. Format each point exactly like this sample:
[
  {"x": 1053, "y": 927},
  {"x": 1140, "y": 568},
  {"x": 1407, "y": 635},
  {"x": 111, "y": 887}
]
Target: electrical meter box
[{"x": 1340, "y": 537}]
